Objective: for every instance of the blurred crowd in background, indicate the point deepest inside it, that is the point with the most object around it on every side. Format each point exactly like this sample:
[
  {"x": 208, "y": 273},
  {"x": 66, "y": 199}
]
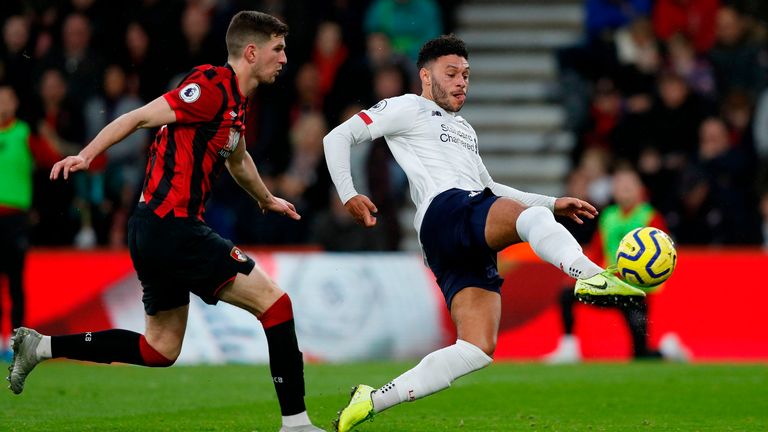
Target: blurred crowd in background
[
  {"x": 677, "y": 89},
  {"x": 75, "y": 65},
  {"x": 674, "y": 87}
]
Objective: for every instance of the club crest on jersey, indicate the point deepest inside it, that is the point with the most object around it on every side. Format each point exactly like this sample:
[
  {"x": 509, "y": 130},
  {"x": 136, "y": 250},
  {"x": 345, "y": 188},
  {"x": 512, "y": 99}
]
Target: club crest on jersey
[
  {"x": 190, "y": 93},
  {"x": 379, "y": 106},
  {"x": 232, "y": 140},
  {"x": 238, "y": 255}
]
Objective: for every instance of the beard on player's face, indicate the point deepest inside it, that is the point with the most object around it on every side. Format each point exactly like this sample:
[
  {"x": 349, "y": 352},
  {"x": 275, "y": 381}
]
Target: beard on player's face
[{"x": 444, "y": 99}]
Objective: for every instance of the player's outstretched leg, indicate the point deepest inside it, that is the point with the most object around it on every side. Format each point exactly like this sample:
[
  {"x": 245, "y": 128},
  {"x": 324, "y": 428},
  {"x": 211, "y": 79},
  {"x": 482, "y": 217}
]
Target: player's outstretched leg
[
  {"x": 24, "y": 344},
  {"x": 434, "y": 373},
  {"x": 554, "y": 244}
]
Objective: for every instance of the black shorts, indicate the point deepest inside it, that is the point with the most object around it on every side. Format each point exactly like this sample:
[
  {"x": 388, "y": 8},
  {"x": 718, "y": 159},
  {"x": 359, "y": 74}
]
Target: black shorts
[
  {"x": 175, "y": 256},
  {"x": 453, "y": 237}
]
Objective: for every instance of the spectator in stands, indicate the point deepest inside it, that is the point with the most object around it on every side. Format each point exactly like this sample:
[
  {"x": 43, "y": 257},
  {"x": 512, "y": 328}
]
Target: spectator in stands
[
  {"x": 308, "y": 98},
  {"x": 736, "y": 110},
  {"x": 619, "y": 44},
  {"x": 665, "y": 139},
  {"x": 59, "y": 120},
  {"x": 605, "y": 16},
  {"x": 16, "y": 62},
  {"x": 639, "y": 58},
  {"x": 125, "y": 163},
  {"x": 683, "y": 60},
  {"x": 46, "y": 29},
  {"x": 693, "y": 19},
  {"x": 305, "y": 183},
  {"x": 738, "y": 61},
  {"x": 82, "y": 66},
  {"x": 355, "y": 77},
  {"x": 199, "y": 44},
  {"x": 156, "y": 18},
  {"x": 594, "y": 165},
  {"x": 718, "y": 200},
  {"x": 578, "y": 185},
  {"x": 630, "y": 210},
  {"x": 407, "y": 23},
  {"x": 20, "y": 151},
  {"x": 107, "y": 25},
  {"x": 147, "y": 72},
  {"x": 328, "y": 55},
  {"x": 605, "y": 113},
  {"x": 676, "y": 116}
]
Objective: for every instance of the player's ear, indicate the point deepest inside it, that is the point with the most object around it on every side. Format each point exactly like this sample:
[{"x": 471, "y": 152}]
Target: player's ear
[
  {"x": 251, "y": 52},
  {"x": 425, "y": 76}
]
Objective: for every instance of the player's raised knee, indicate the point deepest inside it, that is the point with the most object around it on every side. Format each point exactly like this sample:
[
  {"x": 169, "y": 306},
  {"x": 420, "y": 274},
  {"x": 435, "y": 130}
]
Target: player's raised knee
[{"x": 529, "y": 218}]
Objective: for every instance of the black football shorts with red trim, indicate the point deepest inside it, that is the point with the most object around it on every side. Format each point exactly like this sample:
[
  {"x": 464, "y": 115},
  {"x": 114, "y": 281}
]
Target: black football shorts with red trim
[{"x": 175, "y": 256}]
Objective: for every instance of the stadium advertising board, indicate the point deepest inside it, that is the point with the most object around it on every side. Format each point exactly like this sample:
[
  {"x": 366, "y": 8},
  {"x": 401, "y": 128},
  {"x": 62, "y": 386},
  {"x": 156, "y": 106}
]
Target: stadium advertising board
[{"x": 381, "y": 306}]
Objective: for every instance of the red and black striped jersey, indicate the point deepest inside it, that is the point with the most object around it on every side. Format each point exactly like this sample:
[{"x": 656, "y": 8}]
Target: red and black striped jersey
[{"x": 187, "y": 156}]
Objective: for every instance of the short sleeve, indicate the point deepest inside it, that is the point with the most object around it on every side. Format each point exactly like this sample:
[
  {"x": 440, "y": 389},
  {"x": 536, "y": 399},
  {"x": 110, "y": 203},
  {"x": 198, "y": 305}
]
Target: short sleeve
[
  {"x": 195, "y": 100},
  {"x": 390, "y": 116}
]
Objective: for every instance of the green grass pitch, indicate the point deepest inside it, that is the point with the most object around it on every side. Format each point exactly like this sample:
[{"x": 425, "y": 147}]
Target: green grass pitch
[{"x": 67, "y": 396}]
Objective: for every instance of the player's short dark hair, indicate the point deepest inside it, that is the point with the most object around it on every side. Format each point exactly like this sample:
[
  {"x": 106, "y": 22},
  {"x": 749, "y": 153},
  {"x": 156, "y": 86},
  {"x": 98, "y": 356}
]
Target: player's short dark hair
[
  {"x": 252, "y": 26},
  {"x": 441, "y": 46}
]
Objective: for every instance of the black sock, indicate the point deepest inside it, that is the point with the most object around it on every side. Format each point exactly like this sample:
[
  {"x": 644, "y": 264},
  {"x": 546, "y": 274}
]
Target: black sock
[
  {"x": 287, "y": 366},
  {"x": 100, "y": 347}
]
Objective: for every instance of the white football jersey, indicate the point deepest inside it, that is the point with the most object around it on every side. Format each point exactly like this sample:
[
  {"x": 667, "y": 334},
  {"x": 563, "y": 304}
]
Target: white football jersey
[{"x": 437, "y": 149}]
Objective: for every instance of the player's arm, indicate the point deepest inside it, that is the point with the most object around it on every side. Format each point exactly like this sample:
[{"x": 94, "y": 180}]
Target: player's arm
[
  {"x": 242, "y": 168},
  {"x": 337, "y": 145},
  {"x": 154, "y": 114},
  {"x": 389, "y": 117},
  {"x": 570, "y": 207}
]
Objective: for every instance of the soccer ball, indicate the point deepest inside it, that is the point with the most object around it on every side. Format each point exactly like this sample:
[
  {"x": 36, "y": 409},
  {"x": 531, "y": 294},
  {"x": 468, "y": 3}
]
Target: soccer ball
[{"x": 646, "y": 257}]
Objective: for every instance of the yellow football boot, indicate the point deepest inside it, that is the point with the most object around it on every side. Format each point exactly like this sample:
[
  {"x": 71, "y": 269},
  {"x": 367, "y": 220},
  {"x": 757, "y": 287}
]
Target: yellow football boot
[
  {"x": 358, "y": 410},
  {"x": 605, "y": 289}
]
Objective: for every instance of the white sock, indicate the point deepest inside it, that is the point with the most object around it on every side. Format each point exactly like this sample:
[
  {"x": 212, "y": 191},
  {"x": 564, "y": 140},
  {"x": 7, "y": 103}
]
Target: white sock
[
  {"x": 43, "y": 350},
  {"x": 299, "y": 419},
  {"x": 435, "y": 372},
  {"x": 553, "y": 243}
]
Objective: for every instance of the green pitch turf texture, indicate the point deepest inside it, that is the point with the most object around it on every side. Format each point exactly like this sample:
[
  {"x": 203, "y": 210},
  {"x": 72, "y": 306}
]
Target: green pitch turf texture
[{"x": 68, "y": 396}]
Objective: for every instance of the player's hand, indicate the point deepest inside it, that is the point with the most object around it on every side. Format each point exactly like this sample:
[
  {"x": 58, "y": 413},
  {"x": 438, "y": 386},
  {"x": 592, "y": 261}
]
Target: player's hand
[
  {"x": 575, "y": 209},
  {"x": 362, "y": 209},
  {"x": 279, "y": 206},
  {"x": 68, "y": 165}
]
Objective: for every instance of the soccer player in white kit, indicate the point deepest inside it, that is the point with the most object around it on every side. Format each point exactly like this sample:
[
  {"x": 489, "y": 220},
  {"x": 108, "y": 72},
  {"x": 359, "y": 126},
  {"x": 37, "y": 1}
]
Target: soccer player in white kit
[{"x": 463, "y": 219}]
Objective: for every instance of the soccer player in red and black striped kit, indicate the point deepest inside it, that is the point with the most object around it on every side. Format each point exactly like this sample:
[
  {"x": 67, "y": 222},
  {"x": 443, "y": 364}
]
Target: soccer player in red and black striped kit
[{"x": 173, "y": 251}]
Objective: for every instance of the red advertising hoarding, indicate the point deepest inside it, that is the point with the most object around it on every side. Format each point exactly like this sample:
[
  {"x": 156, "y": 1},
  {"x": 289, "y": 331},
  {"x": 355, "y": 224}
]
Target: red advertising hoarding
[{"x": 715, "y": 302}]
